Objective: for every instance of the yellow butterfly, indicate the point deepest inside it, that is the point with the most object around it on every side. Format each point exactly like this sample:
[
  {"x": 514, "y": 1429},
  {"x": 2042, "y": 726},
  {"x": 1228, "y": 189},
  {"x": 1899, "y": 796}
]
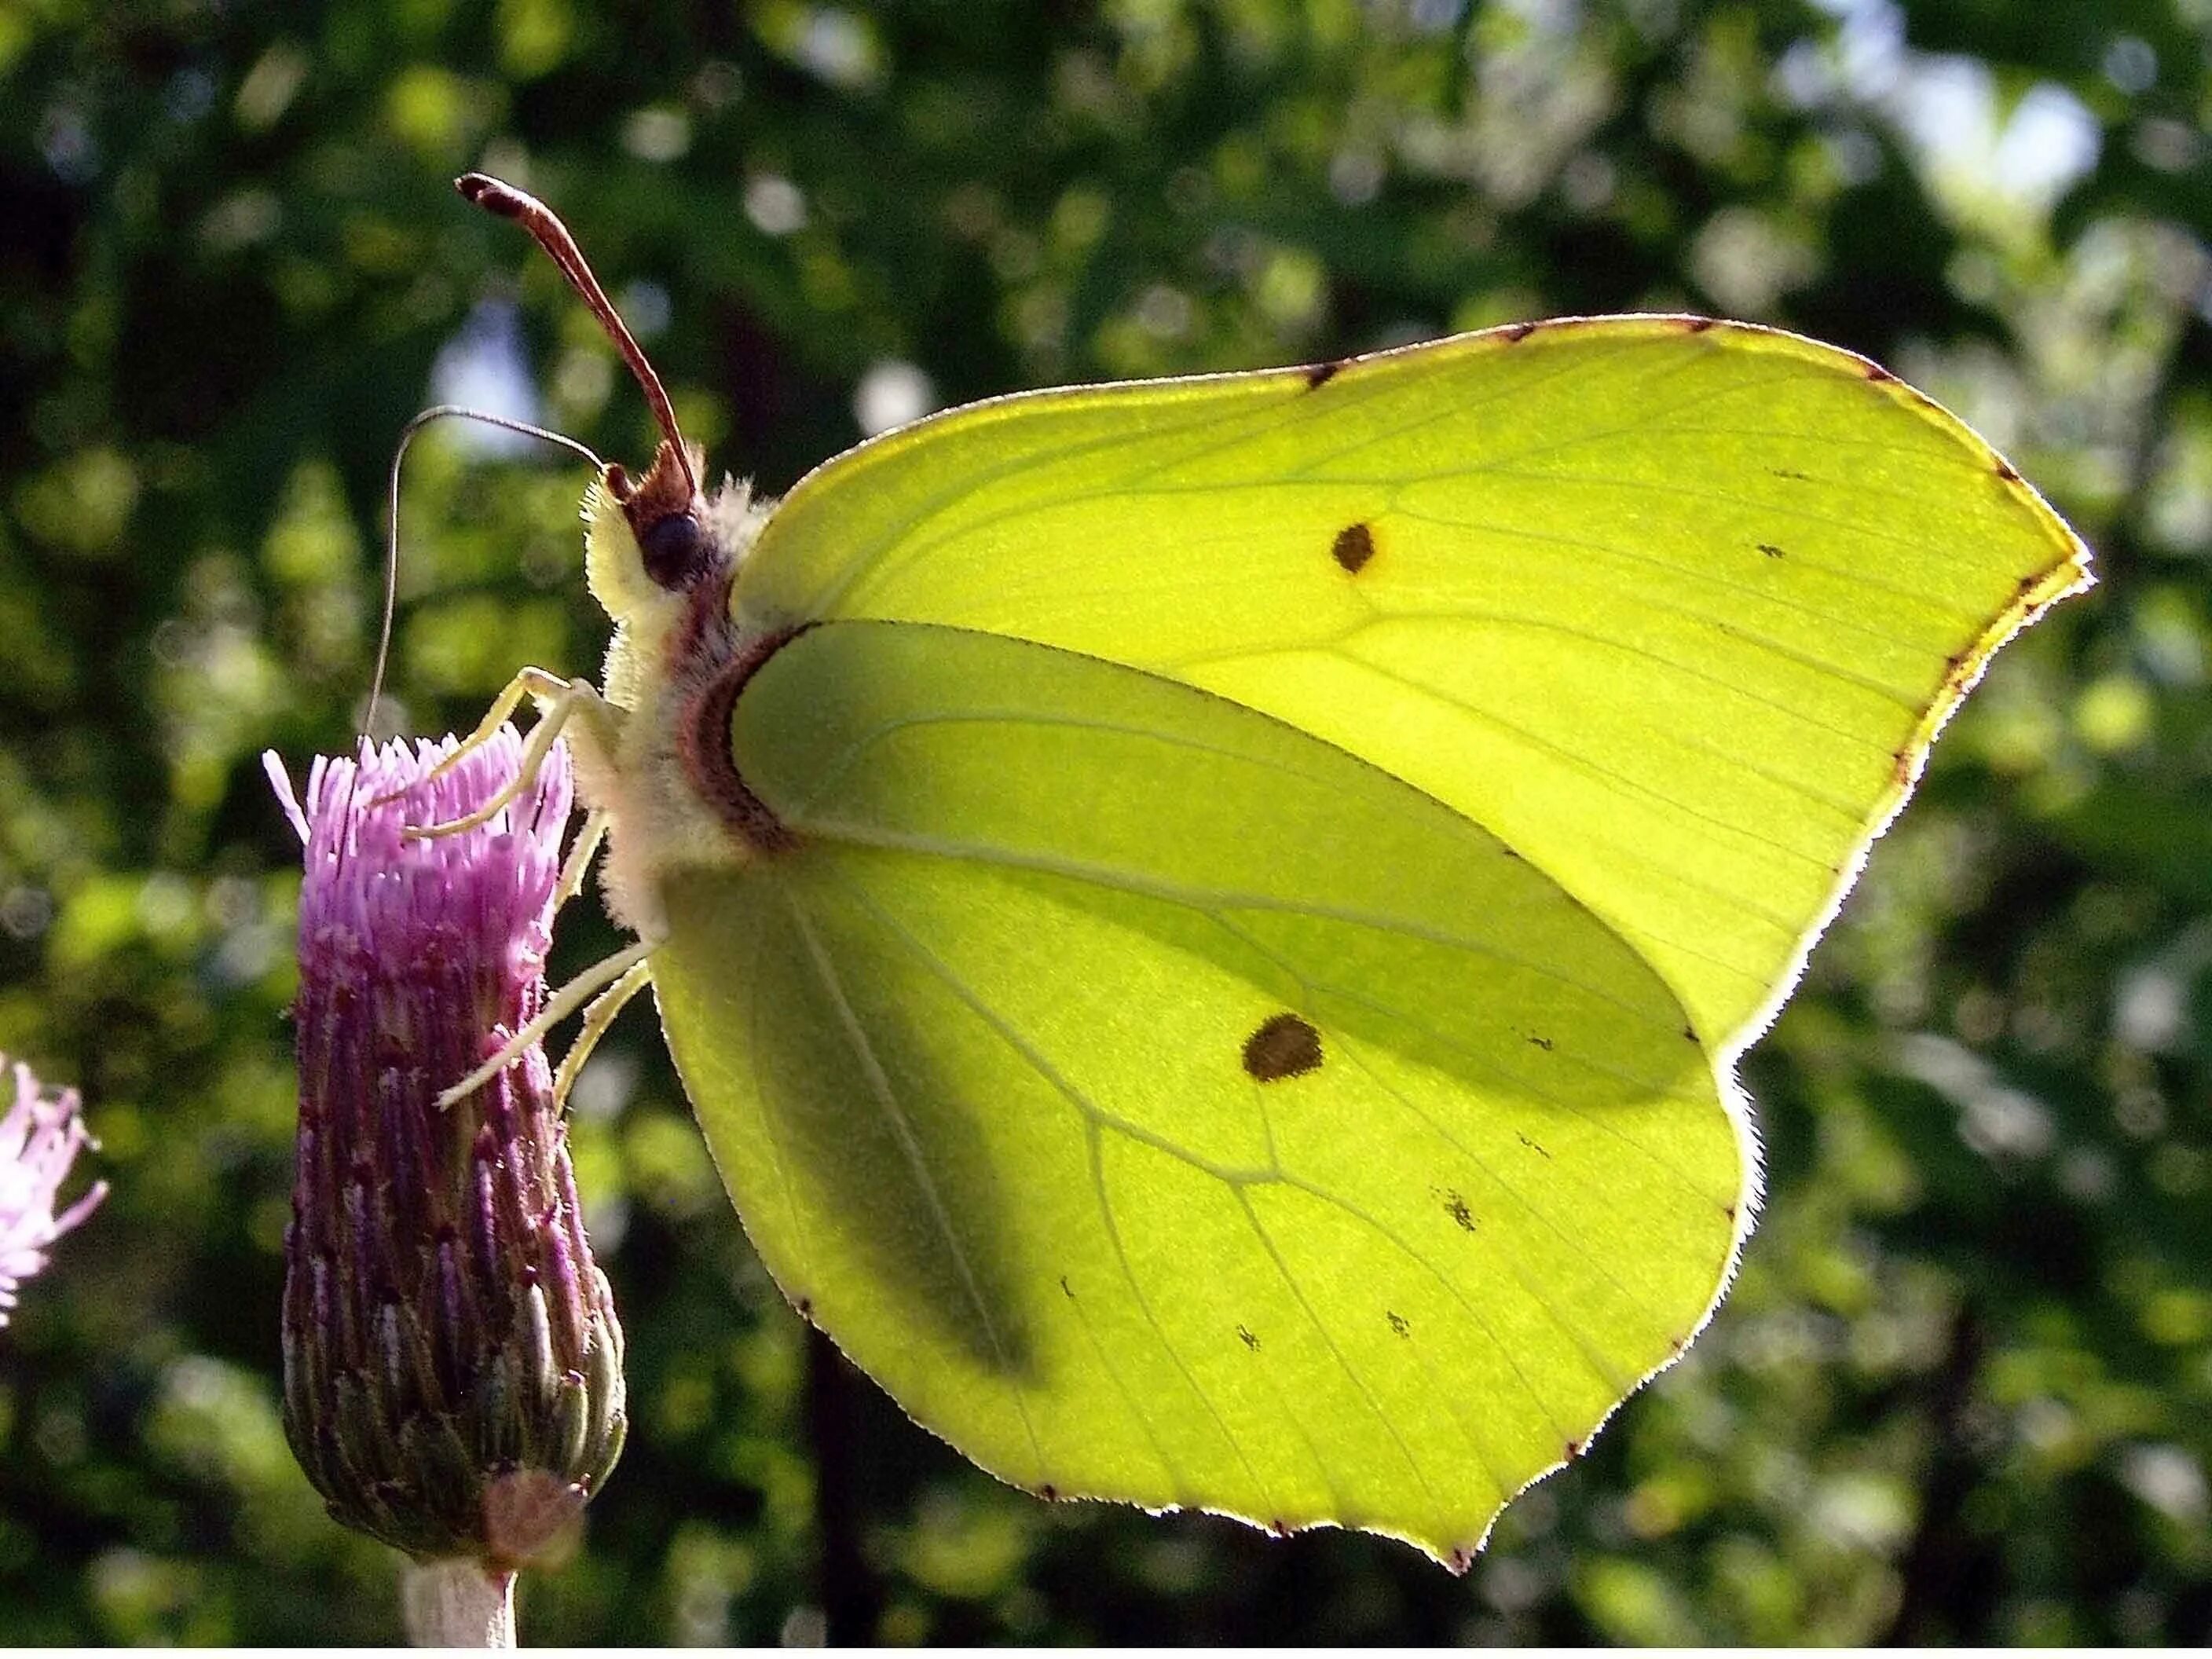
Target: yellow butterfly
[{"x": 1207, "y": 923}]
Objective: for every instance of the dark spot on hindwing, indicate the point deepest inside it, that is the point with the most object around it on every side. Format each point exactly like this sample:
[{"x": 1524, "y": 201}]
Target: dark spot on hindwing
[
  {"x": 1353, "y": 547},
  {"x": 1284, "y": 1046}
]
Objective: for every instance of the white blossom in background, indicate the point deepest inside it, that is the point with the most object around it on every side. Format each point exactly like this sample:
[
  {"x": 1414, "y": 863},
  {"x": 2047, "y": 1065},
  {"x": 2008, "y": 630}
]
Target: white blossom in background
[
  {"x": 892, "y": 394},
  {"x": 38, "y": 1140}
]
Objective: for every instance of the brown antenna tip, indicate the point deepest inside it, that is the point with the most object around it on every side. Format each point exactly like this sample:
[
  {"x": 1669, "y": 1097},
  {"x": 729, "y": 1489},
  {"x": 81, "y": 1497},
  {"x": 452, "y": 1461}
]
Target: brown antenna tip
[{"x": 497, "y": 196}]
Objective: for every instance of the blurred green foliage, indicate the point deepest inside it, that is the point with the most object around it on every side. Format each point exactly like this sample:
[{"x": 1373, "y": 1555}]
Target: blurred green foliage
[{"x": 1964, "y": 1388}]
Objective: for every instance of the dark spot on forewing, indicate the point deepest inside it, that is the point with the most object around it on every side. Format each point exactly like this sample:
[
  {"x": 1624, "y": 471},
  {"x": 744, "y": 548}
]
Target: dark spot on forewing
[
  {"x": 1353, "y": 547},
  {"x": 1284, "y": 1046}
]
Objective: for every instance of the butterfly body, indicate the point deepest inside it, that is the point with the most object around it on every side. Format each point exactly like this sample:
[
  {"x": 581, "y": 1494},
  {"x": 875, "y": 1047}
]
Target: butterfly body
[
  {"x": 650, "y": 758},
  {"x": 1208, "y": 924}
]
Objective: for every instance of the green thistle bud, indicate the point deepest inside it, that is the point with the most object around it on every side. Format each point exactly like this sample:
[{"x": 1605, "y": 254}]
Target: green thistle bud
[{"x": 452, "y": 1366}]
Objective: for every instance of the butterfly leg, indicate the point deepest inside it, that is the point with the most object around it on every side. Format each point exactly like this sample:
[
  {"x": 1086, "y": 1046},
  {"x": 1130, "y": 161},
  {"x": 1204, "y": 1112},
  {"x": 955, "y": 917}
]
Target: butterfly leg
[
  {"x": 578, "y": 861},
  {"x": 529, "y": 682},
  {"x": 596, "y": 1018},
  {"x": 558, "y": 1006},
  {"x": 561, "y": 700}
]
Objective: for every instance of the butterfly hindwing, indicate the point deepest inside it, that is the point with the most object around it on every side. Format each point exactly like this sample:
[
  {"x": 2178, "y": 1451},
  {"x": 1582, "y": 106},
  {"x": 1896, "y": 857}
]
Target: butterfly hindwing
[{"x": 1168, "y": 1106}]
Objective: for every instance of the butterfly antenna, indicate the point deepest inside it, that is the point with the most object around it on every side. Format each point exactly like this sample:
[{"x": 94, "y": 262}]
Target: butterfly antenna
[
  {"x": 437, "y": 413},
  {"x": 494, "y": 196}
]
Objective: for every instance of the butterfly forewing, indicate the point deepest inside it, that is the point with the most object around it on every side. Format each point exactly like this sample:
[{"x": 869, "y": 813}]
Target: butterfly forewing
[{"x": 1671, "y": 607}]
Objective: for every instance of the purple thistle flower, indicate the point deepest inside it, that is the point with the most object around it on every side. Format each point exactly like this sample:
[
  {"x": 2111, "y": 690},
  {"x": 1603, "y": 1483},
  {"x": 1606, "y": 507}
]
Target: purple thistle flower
[
  {"x": 452, "y": 1366},
  {"x": 38, "y": 1140}
]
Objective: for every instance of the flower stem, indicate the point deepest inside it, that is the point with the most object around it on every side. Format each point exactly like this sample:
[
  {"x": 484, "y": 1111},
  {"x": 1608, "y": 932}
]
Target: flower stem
[{"x": 458, "y": 1604}]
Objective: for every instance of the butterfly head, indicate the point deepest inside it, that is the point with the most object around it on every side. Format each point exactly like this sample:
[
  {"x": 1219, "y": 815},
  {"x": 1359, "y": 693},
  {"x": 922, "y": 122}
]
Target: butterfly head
[{"x": 652, "y": 535}]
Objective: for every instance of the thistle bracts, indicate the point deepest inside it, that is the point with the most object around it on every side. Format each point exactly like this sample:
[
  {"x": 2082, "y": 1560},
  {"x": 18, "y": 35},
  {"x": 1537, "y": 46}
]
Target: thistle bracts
[{"x": 452, "y": 1366}]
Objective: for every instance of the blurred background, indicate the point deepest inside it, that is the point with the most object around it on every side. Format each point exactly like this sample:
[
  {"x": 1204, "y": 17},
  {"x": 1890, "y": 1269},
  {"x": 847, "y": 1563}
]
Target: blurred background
[{"x": 1963, "y": 1390}]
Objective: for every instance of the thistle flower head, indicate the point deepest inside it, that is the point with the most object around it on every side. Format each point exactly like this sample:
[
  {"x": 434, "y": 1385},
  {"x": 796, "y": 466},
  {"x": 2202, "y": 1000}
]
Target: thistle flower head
[
  {"x": 452, "y": 1366},
  {"x": 39, "y": 1136}
]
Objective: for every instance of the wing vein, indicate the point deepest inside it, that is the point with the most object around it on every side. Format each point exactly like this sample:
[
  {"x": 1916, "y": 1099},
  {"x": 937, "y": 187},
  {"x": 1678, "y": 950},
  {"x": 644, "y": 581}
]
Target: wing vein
[
  {"x": 1117, "y": 880},
  {"x": 1092, "y": 1119},
  {"x": 1328, "y": 1340}
]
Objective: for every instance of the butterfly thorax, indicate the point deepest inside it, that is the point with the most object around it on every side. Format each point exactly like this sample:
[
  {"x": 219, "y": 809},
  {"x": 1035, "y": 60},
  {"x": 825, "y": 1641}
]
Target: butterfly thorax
[{"x": 673, "y": 669}]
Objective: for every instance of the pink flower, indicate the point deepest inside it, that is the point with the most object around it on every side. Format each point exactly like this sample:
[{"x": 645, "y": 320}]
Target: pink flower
[
  {"x": 38, "y": 1140},
  {"x": 448, "y": 1341}
]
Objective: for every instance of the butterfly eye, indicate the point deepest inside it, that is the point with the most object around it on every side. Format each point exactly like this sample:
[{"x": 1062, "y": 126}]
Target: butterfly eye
[{"x": 675, "y": 549}]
